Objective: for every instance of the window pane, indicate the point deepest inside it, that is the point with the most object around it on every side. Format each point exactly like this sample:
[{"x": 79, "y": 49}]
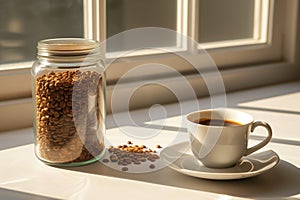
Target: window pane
[
  {"x": 24, "y": 22},
  {"x": 225, "y": 20},
  {"x": 124, "y": 15}
]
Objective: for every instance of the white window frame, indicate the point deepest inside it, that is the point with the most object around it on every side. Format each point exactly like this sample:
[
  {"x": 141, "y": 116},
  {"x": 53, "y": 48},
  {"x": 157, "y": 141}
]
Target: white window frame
[
  {"x": 237, "y": 73},
  {"x": 187, "y": 24},
  {"x": 264, "y": 47},
  {"x": 262, "y": 34},
  {"x": 246, "y": 56}
]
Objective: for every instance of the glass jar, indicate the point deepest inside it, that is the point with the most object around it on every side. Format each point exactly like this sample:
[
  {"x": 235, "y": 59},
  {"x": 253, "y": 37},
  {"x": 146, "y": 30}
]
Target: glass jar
[{"x": 69, "y": 101}]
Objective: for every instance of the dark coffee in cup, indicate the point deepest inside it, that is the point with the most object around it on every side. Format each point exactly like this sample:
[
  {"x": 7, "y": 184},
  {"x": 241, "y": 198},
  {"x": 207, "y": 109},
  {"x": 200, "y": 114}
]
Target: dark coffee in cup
[{"x": 216, "y": 122}]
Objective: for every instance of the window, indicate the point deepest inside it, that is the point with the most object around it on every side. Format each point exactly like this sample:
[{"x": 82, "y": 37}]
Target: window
[
  {"x": 248, "y": 31},
  {"x": 258, "y": 40},
  {"x": 244, "y": 38},
  {"x": 129, "y": 14},
  {"x": 215, "y": 25},
  {"x": 23, "y": 23},
  {"x": 223, "y": 24}
]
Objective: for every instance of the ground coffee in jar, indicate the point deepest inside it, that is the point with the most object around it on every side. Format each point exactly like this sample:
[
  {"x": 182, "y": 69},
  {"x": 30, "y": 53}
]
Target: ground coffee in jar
[{"x": 69, "y": 102}]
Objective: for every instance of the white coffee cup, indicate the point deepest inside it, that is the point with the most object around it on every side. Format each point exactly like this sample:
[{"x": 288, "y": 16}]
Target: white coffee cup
[{"x": 222, "y": 146}]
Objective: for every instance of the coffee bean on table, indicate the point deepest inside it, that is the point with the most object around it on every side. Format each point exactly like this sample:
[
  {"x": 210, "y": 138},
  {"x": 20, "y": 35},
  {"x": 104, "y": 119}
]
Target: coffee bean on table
[
  {"x": 152, "y": 166},
  {"x": 124, "y": 169},
  {"x": 113, "y": 158},
  {"x": 125, "y": 155}
]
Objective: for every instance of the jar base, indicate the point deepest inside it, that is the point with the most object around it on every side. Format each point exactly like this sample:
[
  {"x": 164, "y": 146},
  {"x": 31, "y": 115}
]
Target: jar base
[{"x": 73, "y": 164}]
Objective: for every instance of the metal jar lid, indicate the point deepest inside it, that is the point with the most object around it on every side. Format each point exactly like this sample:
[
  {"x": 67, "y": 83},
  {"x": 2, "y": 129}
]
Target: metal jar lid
[{"x": 68, "y": 50}]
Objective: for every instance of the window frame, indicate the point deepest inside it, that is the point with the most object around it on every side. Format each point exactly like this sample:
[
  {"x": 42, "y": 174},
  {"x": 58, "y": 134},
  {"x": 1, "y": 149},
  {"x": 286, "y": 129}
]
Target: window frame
[
  {"x": 15, "y": 101},
  {"x": 263, "y": 48},
  {"x": 269, "y": 50}
]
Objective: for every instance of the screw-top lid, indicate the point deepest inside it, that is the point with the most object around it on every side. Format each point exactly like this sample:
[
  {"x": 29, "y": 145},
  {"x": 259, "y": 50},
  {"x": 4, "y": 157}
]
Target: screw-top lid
[{"x": 68, "y": 50}]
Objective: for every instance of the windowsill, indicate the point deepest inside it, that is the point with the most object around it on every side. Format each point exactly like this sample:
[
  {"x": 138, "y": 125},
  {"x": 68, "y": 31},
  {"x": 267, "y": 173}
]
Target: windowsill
[{"x": 23, "y": 175}]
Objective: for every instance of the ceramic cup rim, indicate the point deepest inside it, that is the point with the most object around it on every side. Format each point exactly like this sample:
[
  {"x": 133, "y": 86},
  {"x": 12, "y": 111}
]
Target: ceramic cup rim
[{"x": 190, "y": 117}]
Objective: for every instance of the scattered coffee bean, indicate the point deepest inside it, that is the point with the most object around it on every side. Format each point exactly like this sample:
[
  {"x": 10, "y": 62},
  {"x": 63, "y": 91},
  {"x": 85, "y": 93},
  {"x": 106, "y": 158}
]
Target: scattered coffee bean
[
  {"x": 137, "y": 162},
  {"x": 105, "y": 160},
  {"x": 124, "y": 169},
  {"x": 128, "y": 154},
  {"x": 113, "y": 158},
  {"x": 152, "y": 166},
  {"x": 158, "y": 146}
]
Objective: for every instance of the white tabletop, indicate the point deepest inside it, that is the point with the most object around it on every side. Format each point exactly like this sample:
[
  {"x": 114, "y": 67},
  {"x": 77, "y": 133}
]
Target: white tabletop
[{"x": 23, "y": 176}]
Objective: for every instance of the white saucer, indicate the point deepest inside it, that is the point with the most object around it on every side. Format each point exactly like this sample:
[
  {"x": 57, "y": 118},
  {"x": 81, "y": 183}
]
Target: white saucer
[{"x": 180, "y": 158}]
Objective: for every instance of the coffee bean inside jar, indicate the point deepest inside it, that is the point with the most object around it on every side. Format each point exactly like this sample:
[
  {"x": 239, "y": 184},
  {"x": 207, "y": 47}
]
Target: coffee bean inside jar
[{"x": 69, "y": 113}]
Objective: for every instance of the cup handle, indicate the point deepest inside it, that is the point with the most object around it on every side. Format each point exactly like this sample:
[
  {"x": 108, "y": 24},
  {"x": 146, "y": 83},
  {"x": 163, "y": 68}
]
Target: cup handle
[{"x": 262, "y": 143}]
